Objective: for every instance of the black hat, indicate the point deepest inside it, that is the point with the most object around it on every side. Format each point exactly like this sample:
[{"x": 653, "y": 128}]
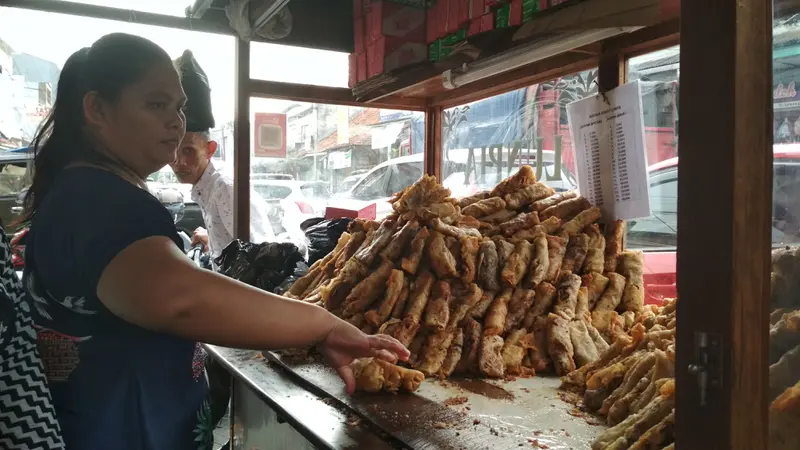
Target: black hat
[{"x": 198, "y": 94}]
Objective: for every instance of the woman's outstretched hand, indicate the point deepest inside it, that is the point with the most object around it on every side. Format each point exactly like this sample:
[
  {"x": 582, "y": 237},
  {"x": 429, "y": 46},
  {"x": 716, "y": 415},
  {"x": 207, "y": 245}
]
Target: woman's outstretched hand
[{"x": 344, "y": 343}]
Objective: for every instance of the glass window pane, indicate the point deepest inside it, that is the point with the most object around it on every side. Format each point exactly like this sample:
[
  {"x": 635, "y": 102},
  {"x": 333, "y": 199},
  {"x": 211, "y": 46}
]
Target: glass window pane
[
  {"x": 485, "y": 141},
  {"x": 30, "y": 68},
  {"x": 784, "y": 351},
  {"x": 325, "y": 155}
]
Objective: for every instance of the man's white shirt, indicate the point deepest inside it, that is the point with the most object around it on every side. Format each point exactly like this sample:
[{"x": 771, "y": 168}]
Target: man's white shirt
[{"x": 214, "y": 194}]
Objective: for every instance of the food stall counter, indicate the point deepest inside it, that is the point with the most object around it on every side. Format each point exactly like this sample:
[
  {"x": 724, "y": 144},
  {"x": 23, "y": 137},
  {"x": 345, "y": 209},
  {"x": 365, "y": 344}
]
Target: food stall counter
[{"x": 452, "y": 414}]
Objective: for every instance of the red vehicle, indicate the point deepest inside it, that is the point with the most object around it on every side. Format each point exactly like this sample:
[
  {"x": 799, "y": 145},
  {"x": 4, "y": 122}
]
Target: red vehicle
[{"x": 657, "y": 235}]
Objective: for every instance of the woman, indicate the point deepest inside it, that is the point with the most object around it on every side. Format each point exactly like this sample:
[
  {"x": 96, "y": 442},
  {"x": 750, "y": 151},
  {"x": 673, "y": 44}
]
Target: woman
[{"x": 119, "y": 305}]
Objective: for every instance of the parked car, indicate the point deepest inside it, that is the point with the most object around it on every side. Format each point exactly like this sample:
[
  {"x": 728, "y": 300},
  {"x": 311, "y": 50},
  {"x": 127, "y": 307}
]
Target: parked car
[
  {"x": 657, "y": 235},
  {"x": 347, "y": 184},
  {"x": 270, "y": 176},
  {"x": 310, "y": 196},
  {"x": 396, "y": 174}
]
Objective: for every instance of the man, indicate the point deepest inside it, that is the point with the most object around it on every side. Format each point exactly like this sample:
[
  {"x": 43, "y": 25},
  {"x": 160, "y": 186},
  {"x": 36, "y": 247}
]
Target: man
[{"x": 212, "y": 191}]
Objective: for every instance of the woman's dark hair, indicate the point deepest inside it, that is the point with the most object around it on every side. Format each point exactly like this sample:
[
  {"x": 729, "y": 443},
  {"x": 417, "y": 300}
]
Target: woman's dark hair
[{"x": 112, "y": 63}]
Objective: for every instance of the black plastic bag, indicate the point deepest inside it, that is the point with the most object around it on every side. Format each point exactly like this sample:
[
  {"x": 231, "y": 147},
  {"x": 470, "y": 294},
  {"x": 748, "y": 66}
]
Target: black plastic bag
[
  {"x": 324, "y": 236},
  {"x": 300, "y": 270},
  {"x": 265, "y": 265}
]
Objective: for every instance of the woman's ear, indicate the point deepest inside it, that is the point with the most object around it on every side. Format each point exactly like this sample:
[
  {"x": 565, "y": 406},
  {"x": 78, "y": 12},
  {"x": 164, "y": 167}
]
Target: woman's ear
[{"x": 94, "y": 109}]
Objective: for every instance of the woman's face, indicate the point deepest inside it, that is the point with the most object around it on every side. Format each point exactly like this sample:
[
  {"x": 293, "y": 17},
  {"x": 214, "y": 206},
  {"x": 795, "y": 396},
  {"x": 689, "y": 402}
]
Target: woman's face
[{"x": 145, "y": 126}]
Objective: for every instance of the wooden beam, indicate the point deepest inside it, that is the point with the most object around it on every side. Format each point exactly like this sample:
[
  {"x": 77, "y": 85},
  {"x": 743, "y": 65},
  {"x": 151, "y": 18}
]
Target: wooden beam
[
  {"x": 241, "y": 146},
  {"x": 724, "y": 215},
  {"x": 326, "y": 95},
  {"x": 121, "y": 15}
]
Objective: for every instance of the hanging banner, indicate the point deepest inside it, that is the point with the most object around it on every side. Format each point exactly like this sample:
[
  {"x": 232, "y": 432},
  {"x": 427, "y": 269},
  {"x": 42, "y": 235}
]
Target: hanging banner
[
  {"x": 608, "y": 136},
  {"x": 270, "y": 135}
]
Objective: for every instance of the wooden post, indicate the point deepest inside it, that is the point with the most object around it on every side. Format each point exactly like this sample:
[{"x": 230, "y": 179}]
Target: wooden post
[
  {"x": 724, "y": 218},
  {"x": 433, "y": 142},
  {"x": 241, "y": 139}
]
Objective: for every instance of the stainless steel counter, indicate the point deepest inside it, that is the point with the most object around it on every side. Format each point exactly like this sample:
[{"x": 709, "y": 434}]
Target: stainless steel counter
[{"x": 457, "y": 414}]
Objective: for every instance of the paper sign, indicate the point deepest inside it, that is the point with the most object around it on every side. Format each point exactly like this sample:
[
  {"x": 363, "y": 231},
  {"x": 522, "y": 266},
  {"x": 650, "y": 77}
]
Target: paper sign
[{"x": 608, "y": 135}]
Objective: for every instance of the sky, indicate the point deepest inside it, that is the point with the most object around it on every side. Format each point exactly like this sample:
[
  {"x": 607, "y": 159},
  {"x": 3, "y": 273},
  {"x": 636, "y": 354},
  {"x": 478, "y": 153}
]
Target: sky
[{"x": 55, "y": 37}]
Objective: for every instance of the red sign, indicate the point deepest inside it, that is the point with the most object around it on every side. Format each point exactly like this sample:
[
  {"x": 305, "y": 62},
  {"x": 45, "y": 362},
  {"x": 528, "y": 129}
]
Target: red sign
[
  {"x": 270, "y": 135},
  {"x": 783, "y": 93}
]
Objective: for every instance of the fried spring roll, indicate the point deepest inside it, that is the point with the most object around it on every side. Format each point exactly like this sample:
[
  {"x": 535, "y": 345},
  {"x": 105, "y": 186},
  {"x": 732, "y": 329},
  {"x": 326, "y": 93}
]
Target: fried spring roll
[
  {"x": 567, "y": 209},
  {"x": 464, "y": 303},
  {"x": 466, "y": 201},
  {"x": 553, "y": 200},
  {"x": 394, "y": 286},
  {"x": 518, "y": 306},
  {"x": 515, "y": 348},
  {"x": 453, "y": 231},
  {"x": 584, "y": 348},
  {"x": 490, "y": 358},
  {"x": 390, "y": 327},
  {"x": 416, "y": 347},
  {"x": 407, "y": 331},
  {"x": 596, "y": 284},
  {"x": 528, "y": 195},
  {"x": 435, "y": 352},
  {"x": 480, "y": 309},
  {"x": 366, "y": 292},
  {"x": 538, "y": 355},
  {"x": 453, "y": 354},
  {"x": 631, "y": 266},
  {"x": 517, "y": 264},
  {"x": 418, "y": 299},
  {"x": 442, "y": 260},
  {"x": 582, "y": 311},
  {"x": 375, "y": 375},
  {"x": 495, "y": 321},
  {"x": 487, "y": 266},
  {"x": 595, "y": 255},
  {"x": 582, "y": 220},
  {"x": 485, "y": 207},
  {"x": 615, "y": 235},
  {"x": 612, "y": 296},
  {"x": 556, "y": 249},
  {"x": 559, "y": 344},
  {"x": 411, "y": 261},
  {"x": 499, "y": 217},
  {"x": 523, "y": 221},
  {"x": 575, "y": 254},
  {"x": 545, "y": 294},
  {"x": 382, "y": 237},
  {"x": 504, "y": 250},
  {"x": 541, "y": 260},
  {"x": 523, "y": 177},
  {"x": 473, "y": 331},
  {"x": 567, "y": 298},
  {"x": 454, "y": 246},
  {"x": 400, "y": 240},
  {"x": 402, "y": 299},
  {"x": 469, "y": 255},
  {"x": 437, "y": 314}
]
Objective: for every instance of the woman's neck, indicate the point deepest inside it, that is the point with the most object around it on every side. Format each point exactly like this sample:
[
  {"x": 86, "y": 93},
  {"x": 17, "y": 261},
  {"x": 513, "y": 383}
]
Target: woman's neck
[{"x": 126, "y": 174}]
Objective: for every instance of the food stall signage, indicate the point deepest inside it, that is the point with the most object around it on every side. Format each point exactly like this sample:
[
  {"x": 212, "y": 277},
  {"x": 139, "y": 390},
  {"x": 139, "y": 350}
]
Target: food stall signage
[
  {"x": 611, "y": 158},
  {"x": 516, "y": 156}
]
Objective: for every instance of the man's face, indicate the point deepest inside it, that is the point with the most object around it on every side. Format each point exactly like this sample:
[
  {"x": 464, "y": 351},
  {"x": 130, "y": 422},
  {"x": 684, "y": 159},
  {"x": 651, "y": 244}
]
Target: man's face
[{"x": 192, "y": 158}]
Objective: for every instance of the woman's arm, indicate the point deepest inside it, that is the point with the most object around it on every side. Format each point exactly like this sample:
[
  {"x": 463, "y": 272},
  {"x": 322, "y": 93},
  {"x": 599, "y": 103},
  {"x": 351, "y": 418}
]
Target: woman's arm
[{"x": 153, "y": 285}]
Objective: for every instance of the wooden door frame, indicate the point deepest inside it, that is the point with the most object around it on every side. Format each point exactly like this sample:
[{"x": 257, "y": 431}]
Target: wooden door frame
[{"x": 724, "y": 217}]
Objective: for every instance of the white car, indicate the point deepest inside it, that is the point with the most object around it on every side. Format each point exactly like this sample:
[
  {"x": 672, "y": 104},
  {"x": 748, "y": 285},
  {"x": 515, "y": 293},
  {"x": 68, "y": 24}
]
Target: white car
[
  {"x": 310, "y": 197},
  {"x": 394, "y": 175}
]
